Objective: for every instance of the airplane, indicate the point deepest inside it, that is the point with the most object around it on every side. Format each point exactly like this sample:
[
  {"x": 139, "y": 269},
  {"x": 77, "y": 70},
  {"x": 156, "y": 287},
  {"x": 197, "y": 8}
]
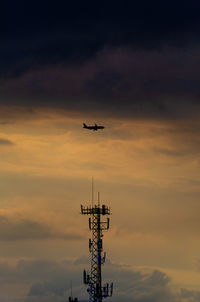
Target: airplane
[{"x": 95, "y": 127}]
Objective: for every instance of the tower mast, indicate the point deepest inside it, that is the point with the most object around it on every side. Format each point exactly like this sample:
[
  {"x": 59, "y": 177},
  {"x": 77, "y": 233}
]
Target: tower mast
[{"x": 97, "y": 225}]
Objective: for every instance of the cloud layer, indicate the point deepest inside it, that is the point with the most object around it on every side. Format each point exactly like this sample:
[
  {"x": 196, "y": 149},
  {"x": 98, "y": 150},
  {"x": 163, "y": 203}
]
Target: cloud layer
[
  {"x": 68, "y": 32},
  {"x": 116, "y": 82},
  {"x": 49, "y": 280},
  {"x": 119, "y": 61},
  {"x": 16, "y": 227}
]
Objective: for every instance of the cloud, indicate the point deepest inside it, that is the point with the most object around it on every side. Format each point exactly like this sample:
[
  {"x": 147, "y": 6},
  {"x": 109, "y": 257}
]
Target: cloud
[
  {"x": 117, "y": 82},
  {"x": 48, "y": 278},
  {"x": 49, "y": 281},
  {"x": 122, "y": 62},
  {"x": 72, "y": 35},
  {"x": 12, "y": 229},
  {"x": 7, "y": 142},
  {"x": 168, "y": 152},
  {"x": 134, "y": 284},
  {"x": 190, "y": 295},
  {"x": 196, "y": 264},
  {"x": 130, "y": 284}
]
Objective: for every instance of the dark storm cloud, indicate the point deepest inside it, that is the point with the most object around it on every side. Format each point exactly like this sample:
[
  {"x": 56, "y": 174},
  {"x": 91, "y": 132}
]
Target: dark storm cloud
[
  {"x": 35, "y": 33},
  {"x": 117, "y": 82},
  {"x": 136, "y": 59},
  {"x": 27, "y": 229}
]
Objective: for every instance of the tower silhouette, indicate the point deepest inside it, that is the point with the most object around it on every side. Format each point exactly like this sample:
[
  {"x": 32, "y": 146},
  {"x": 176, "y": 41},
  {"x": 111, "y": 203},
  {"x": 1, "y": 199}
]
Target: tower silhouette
[{"x": 97, "y": 225}]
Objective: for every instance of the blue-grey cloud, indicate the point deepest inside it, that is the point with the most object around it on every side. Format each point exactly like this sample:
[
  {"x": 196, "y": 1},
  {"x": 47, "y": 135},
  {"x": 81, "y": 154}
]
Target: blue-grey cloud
[
  {"x": 129, "y": 285},
  {"x": 49, "y": 281}
]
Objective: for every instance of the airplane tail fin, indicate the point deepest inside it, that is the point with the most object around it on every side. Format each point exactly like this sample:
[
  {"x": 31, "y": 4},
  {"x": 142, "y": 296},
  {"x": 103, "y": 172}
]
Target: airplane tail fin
[{"x": 84, "y": 125}]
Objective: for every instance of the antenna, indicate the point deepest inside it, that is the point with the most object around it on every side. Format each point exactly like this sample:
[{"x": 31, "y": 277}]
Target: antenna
[
  {"x": 71, "y": 288},
  {"x": 92, "y": 191},
  {"x": 97, "y": 291},
  {"x": 71, "y": 299}
]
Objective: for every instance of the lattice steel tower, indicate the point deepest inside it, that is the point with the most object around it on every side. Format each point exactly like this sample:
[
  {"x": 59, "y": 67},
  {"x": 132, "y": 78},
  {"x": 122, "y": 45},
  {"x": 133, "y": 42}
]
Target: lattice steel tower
[{"x": 96, "y": 290}]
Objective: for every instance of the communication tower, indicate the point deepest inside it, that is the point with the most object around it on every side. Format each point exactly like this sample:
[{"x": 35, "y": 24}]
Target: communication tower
[
  {"x": 97, "y": 225},
  {"x": 71, "y": 299}
]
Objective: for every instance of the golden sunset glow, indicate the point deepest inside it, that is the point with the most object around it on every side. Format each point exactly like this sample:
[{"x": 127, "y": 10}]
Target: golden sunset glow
[{"x": 143, "y": 169}]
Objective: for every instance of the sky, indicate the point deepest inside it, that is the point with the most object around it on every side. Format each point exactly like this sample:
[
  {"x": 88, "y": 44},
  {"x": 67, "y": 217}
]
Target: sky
[{"x": 134, "y": 68}]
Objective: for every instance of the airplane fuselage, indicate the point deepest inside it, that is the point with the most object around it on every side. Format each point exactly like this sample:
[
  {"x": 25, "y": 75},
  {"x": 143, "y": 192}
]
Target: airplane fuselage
[{"x": 94, "y": 128}]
